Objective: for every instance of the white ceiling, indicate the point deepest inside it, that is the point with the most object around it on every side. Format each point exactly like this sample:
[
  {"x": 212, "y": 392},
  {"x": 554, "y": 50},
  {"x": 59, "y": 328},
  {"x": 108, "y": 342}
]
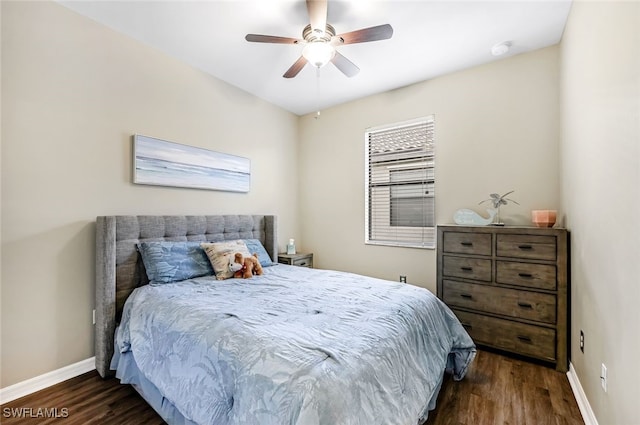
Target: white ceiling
[{"x": 430, "y": 38}]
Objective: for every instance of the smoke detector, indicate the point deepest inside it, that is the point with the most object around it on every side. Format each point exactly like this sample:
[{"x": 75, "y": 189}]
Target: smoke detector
[{"x": 501, "y": 48}]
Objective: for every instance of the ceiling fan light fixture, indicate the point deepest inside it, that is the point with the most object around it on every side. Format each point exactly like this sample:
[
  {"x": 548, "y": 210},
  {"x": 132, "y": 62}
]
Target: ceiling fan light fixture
[{"x": 318, "y": 53}]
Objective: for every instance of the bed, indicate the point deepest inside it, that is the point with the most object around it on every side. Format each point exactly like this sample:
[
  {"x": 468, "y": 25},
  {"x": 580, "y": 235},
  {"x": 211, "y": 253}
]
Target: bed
[{"x": 291, "y": 346}]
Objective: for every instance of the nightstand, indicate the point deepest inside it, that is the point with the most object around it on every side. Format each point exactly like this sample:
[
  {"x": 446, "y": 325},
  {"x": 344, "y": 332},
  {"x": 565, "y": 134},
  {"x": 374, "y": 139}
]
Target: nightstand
[{"x": 299, "y": 259}]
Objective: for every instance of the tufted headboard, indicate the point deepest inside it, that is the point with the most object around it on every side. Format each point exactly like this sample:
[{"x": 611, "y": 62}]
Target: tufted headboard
[{"x": 119, "y": 269}]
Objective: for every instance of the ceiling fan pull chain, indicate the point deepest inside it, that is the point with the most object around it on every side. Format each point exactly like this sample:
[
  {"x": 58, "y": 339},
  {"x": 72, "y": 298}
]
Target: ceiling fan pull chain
[{"x": 318, "y": 92}]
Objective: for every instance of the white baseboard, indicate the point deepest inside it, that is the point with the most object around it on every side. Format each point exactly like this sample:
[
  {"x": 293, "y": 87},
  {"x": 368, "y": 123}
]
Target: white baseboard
[
  {"x": 581, "y": 398},
  {"x": 41, "y": 382}
]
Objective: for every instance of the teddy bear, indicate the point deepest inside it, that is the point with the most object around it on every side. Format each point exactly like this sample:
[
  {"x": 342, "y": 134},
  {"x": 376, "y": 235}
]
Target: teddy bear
[{"x": 249, "y": 266}]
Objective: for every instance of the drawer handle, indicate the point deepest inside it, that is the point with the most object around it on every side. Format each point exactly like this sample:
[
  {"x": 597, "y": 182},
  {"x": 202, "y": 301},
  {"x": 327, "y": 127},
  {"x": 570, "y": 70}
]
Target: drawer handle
[
  {"x": 524, "y": 338},
  {"x": 466, "y": 325},
  {"x": 524, "y": 305},
  {"x": 466, "y": 243},
  {"x": 304, "y": 263},
  {"x": 527, "y": 275},
  {"x": 466, "y": 269},
  {"x": 467, "y": 296},
  {"x": 525, "y": 247}
]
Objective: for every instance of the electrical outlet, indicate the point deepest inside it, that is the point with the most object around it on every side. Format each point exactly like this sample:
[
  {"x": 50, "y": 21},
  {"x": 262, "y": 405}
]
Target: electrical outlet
[
  {"x": 581, "y": 341},
  {"x": 603, "y": 377},
  {"x": 403, "y": 279},
  {"x": 94, "y": 316}
]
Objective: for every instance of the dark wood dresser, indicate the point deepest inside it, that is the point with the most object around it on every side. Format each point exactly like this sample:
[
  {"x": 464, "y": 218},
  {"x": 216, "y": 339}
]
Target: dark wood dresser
[{"x": 509, "y": 287}]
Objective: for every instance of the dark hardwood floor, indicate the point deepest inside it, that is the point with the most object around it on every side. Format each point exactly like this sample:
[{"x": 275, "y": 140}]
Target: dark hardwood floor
[
  {"x": 496, "y": 390},
  {"x": 504, "y": 390}
]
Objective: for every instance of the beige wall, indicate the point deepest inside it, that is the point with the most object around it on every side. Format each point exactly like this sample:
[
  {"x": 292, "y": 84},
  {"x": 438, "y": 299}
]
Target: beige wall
[
  {"x": 496, "y": 130},
  {"x": 600, "y": 163},
  {"x": 73, "y": 94}
]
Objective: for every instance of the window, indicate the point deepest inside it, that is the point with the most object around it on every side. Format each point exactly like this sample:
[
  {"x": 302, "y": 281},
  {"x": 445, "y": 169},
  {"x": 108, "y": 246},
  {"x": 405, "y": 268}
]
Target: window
[{"x": 400, "y": 184}]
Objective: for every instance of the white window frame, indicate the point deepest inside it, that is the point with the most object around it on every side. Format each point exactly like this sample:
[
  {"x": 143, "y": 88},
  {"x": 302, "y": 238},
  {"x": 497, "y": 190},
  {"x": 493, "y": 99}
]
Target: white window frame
[{"x": 414, "y": 144}]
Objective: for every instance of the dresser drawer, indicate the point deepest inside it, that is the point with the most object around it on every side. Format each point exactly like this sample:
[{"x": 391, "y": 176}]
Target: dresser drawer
[
  {"x": 516, "y": 337},
  {"x": 527, "y": 246},
  {"x": 467, "y": 243},
  {"x": 468, "y": 268},
  {"x": 303, "y": 262},
  {"x": 542, "y": 276},
  {"x": 507, "y": 302}
]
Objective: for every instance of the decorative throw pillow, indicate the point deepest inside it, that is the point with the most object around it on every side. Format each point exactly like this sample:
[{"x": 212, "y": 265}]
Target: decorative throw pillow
[
  {"x": 255, "y": 246},
  {"x": 221, "y": 254},
  {"x": 167, "y": 262}
]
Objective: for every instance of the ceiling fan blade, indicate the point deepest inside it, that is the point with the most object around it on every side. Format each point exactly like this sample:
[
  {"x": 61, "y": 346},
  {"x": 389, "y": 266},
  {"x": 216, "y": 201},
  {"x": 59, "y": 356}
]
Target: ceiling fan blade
[
  {"x": 380, "y": 32},
  {"x": 295, "y": 68},
  {"x": 258, "y": 38},
  {"x": 347, "y": 67},
  {"x": 317, "y": 15}
]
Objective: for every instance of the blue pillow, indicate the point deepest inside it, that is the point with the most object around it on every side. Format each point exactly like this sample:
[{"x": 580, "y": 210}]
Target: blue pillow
[
  {"x": 168, "y": 262},
  {"x": 255, "y": 246}
]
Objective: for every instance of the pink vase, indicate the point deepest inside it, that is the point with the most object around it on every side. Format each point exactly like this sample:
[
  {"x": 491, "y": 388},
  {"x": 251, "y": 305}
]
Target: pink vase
[{"x": 543, "y": 218}]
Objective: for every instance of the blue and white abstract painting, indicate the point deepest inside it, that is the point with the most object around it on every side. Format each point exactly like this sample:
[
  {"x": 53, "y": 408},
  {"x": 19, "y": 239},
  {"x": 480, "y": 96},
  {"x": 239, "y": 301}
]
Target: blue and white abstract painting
[{"x": 158, "y": 162}]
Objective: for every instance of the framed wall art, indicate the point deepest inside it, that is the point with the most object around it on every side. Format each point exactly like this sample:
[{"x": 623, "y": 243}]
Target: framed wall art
[{"x": 162, "y": 163}]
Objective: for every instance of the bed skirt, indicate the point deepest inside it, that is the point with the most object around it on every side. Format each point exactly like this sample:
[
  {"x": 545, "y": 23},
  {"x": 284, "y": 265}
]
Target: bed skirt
[{"x": 128, "y": 373}]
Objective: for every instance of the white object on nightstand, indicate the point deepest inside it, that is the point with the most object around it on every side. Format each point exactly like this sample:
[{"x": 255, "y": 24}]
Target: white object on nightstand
[{"x": 291, "y": 247}]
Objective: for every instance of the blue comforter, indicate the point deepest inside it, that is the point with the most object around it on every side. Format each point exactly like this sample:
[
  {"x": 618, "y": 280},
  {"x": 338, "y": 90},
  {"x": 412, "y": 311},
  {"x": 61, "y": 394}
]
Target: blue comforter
[{"x": 295, "y": 346}]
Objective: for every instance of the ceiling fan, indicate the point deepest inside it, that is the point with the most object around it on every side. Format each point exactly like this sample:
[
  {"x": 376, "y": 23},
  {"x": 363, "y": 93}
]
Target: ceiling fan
[{"x": 320, "y": 41}]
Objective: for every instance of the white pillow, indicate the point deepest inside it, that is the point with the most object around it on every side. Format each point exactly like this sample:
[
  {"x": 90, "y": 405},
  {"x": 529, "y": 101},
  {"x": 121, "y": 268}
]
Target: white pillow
[{"x": 221, "y": 255}]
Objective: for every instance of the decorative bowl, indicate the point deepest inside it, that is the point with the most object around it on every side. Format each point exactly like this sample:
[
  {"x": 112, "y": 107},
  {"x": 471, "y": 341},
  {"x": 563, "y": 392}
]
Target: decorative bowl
[{"x": 543, "y": 218}]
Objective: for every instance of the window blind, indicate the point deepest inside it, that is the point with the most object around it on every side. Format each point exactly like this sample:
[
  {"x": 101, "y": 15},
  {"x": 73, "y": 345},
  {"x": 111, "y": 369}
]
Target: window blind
[{"x": 400, "y": 184}]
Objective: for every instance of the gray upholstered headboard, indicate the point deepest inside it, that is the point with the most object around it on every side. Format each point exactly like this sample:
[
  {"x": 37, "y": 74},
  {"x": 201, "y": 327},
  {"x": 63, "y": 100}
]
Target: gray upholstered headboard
[{"x": 119, "y": 269}]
